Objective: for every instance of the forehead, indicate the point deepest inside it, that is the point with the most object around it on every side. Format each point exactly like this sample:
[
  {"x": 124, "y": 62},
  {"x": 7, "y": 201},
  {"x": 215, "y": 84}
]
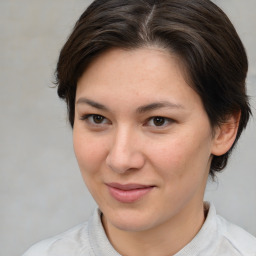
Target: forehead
[
  {"x": 134, "y": 75},
  {"x": 145, "y": 63}
]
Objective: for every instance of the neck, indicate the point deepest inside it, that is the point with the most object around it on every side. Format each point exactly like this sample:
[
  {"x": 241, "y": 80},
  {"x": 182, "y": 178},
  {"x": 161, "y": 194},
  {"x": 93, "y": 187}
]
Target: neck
[{"x": 165, "y": 239}]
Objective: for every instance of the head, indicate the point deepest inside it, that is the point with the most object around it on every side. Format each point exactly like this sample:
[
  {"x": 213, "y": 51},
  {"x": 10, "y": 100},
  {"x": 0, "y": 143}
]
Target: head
[{"x": 197, "y": 32}]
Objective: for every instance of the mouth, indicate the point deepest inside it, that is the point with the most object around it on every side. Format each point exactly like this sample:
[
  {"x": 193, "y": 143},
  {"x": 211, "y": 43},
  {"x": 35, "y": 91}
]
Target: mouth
[{"x": 128, "y": 193}]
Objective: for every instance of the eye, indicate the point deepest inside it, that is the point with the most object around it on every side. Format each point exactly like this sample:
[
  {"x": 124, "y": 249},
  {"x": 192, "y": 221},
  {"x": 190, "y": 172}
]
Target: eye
[
  {"x": 159, "y": 121},
  {"x": 95, "y": 119}
]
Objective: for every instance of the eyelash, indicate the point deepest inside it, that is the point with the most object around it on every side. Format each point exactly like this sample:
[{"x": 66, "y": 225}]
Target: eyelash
[
  {"x": 92, "y": 116},
  {"x": 164, "y": 120}
]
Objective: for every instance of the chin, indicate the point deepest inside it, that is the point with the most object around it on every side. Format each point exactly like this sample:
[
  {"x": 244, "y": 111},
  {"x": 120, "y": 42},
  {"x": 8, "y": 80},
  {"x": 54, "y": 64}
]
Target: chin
[
  {"x": 131, "y": 220},
  {"x": 131, "y": 225}
]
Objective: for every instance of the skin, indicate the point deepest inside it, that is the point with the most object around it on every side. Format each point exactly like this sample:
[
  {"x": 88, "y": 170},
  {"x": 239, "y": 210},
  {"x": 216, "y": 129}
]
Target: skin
[{"x": 126, "y": 144}]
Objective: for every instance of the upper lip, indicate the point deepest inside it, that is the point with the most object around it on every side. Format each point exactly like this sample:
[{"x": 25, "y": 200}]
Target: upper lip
[{"x": 129, "y": 186}]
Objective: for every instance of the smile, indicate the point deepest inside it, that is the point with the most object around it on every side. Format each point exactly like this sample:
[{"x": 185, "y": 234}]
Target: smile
[{"x": 128, "y": 193}]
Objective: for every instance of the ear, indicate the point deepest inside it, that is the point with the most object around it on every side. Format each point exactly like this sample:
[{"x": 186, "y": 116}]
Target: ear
[{"x": 225, "y": 134}]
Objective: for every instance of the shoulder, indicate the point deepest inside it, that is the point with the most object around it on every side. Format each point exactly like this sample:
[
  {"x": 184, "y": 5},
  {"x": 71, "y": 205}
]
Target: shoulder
[
  {"x": 68, "y": 243},
  {"x": 234, "y": 236},
  {"x": 88, "y": 239}
]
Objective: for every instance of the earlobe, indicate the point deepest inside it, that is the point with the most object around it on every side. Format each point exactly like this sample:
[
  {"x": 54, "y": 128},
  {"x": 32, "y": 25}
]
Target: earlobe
[{"x": 225, "y": 135}]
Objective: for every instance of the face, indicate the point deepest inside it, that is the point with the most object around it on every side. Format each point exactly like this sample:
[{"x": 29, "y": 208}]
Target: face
[{"x": 142, "y": 138}]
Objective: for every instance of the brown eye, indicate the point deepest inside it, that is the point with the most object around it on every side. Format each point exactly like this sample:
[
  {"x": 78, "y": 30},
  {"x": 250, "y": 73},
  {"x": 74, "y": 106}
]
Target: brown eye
[
  {"x": 95, "y": 119},
  {"x": 159, "y": 121},
  {"x": 98, "y": 119}
]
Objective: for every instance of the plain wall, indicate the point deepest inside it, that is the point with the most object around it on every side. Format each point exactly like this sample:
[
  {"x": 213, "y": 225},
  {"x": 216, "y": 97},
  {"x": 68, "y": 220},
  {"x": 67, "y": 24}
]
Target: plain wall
[{"x": 42, "y": 193}]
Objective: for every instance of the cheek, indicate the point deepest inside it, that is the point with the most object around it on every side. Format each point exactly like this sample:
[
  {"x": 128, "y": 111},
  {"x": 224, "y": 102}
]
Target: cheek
[
  {"x": 89, "y": 152},
  {"x": 172, "y": 153},
  {"x": 183, "y": 168},
  {"x": 90, "y": 157},
  {"x": 184, "y": 155}
]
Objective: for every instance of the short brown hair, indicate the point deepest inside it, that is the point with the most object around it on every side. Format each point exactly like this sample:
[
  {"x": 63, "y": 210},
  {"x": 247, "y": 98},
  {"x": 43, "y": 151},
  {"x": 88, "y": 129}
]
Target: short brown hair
[{"x": 197, "y": 31}]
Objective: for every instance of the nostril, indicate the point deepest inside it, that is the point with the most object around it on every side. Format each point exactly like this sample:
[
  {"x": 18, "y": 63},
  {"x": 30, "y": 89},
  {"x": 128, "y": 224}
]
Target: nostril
[
  {"x": 122, "y": 163},
  {"x": 124, "y": 153},
  {"x": 117, "y": 163}
]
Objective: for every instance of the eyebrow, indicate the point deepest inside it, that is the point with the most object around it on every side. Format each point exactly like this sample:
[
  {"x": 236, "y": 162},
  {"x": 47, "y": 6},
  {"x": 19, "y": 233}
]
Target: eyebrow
[
  {"x": 158, "y": 105},
  {"x": 91, "y": 103},
  {"x": 140, "y": 110}
]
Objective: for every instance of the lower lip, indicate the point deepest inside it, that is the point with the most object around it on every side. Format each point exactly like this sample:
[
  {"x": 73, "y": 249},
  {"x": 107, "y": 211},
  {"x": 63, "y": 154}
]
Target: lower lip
[{"x": 129, "y": 196}]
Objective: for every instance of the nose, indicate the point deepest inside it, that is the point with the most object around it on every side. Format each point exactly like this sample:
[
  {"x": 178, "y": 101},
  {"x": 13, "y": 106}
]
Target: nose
[{"x": 125, "y": 152}]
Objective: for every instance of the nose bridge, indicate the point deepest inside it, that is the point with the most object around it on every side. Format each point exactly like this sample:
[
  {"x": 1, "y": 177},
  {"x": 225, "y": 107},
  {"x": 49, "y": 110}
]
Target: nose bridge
[
  {"x": 125, "y": 152},
  {"x": 121, "y": 139}
]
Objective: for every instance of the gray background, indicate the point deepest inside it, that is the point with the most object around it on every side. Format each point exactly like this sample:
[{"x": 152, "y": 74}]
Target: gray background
[{"x": 42, "y": 192}]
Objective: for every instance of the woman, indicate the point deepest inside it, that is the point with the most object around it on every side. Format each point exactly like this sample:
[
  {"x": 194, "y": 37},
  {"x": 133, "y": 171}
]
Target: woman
[{"x": 156, "y": 98}]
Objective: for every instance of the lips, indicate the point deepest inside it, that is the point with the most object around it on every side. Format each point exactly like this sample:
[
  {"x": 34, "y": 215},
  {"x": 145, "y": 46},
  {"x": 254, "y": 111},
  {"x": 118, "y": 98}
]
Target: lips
[{"x": 128, "y": 193}]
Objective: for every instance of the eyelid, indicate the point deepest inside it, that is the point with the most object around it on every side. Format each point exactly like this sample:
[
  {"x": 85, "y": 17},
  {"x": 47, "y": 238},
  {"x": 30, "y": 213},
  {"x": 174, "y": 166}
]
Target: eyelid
[
  {"x": 91, "y": 122},
  {"x": 167, "y": 120},
  {"x": 88, "y": 119}
]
